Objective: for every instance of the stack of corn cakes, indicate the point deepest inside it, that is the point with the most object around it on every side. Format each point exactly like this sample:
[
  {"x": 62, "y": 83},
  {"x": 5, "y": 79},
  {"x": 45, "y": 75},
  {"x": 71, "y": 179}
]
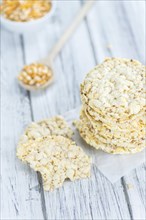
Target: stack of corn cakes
[{"x": 112, "y": 117}]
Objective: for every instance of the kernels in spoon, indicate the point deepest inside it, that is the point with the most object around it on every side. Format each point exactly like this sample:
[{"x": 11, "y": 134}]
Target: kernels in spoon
[
  {"x": 32, "y": 82},
  {"x": 34, "y": 73},
  {"x": 37, "y": 79},
  {"x": 28, "y": 78}
]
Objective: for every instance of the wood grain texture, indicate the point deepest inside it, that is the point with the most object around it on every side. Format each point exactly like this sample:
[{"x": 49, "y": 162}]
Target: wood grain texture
[
  {"x": 20, "y": 198},
  {"x": 109, "y": 30}
]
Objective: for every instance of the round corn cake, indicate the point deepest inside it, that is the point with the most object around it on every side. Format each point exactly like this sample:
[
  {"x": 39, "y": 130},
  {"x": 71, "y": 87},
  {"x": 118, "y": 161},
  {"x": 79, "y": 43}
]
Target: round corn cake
[
  {"x": 87, "y": 134},
  {"x": 110, "y": 122},
  {"x": 135, "y": 128},
  {"x": 115, "y": 89}
]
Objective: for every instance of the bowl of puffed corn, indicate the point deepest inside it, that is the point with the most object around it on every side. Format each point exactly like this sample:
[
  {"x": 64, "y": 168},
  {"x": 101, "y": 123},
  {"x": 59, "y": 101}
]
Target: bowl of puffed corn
[{"x": 24, "y": 16}]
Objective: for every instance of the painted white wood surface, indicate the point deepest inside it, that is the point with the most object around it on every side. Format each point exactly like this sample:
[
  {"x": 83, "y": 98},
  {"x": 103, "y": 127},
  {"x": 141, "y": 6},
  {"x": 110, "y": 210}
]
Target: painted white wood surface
[{"x": 112, "y": 28}]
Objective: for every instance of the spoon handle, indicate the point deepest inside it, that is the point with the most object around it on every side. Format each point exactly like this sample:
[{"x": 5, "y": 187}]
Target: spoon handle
[{"x": 82, "y": 13}]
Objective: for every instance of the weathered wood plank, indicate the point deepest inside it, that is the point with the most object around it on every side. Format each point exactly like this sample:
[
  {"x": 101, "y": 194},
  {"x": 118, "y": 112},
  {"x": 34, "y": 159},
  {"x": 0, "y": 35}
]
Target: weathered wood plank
[
  {"x": 134, "y": 12},
  {"x": 20, "y": 197},
  {"x": 135, "y": 190}
]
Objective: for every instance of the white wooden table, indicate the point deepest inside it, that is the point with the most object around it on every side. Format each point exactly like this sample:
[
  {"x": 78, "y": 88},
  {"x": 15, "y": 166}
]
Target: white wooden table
[{"x": 112, "y": 28}]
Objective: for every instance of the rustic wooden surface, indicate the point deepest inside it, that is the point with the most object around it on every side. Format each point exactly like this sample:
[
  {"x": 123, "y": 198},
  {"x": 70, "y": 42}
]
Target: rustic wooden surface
[{"x": 112, "y": 28}]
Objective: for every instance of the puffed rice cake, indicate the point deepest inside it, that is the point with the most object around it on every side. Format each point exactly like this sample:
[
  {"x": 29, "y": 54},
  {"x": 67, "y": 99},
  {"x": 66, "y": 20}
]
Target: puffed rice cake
[
  {"x": 114, "y": 106},
  {"x": 115, "y": 89},
  {"x": 133, "y": 130},
  {"x": 110, "y": 122},
  {"x": 93, "y": 141},
  {"x": 96, "y": 140},
  {"x": 57, "y": 158}
]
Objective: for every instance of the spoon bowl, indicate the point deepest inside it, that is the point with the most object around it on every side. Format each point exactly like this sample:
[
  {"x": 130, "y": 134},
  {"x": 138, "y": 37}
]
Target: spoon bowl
[
  {"x": 43, "y": 85},
  {"x": 36, "y": 88}
]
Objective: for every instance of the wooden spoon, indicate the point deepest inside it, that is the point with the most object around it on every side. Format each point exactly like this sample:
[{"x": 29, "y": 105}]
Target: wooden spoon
[{"x": 48, "y": 61}]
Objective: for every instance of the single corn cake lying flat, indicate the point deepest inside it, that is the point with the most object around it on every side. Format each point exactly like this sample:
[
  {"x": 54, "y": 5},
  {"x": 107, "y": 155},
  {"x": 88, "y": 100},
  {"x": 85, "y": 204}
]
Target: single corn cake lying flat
[
  {"x": 47, "y": 147},
  {"x": 57, "y": 158}
]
